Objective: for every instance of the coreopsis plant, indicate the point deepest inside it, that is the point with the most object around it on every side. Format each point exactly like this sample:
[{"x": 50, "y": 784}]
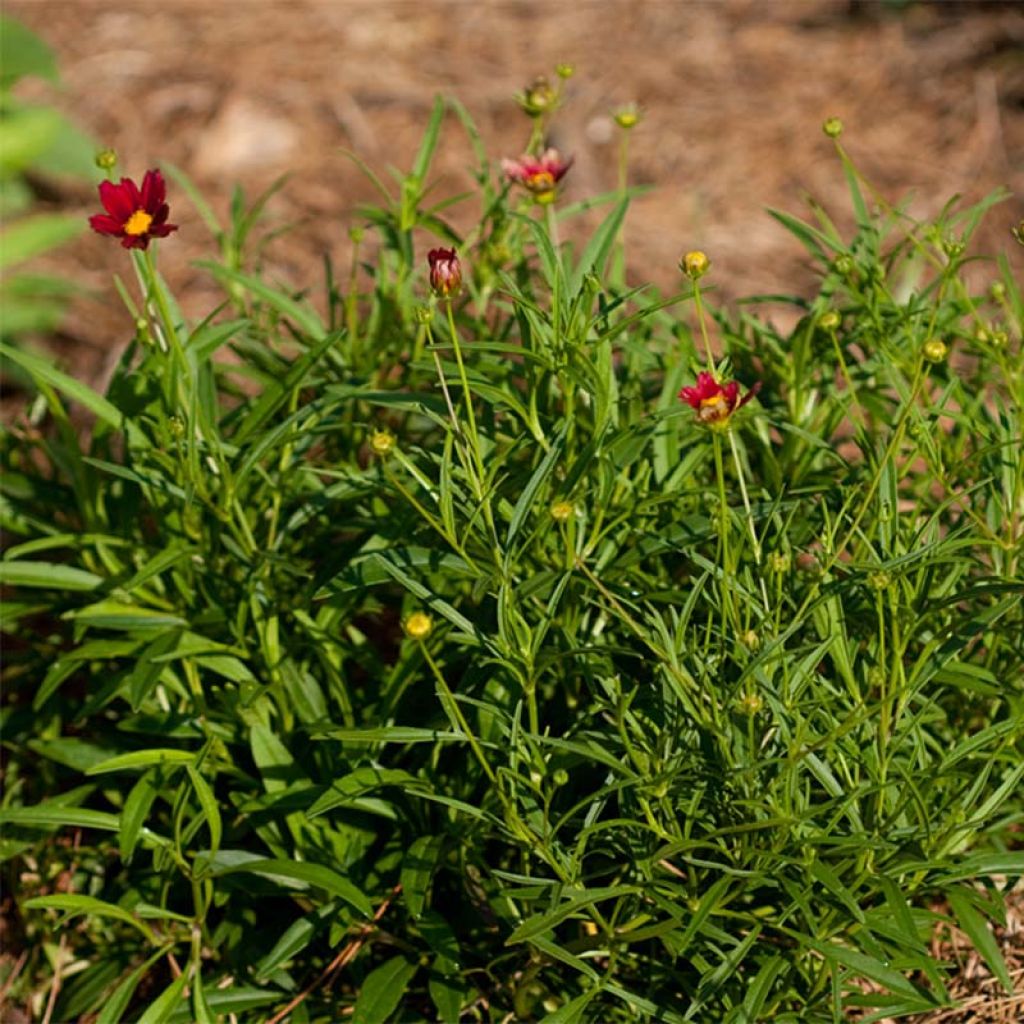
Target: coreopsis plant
[
  {"x": 134, "y": 214},
  {"x": 539, "y": 175},
  {"x": 382, "y": 659},
  {"x": 713, "y": 402}
]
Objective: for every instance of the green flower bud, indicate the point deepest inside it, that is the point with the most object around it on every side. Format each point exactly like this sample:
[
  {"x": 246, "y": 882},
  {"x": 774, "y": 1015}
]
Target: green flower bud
[
  {"x": 833, "y": 127},
  {"x": 106, "y": 159}
]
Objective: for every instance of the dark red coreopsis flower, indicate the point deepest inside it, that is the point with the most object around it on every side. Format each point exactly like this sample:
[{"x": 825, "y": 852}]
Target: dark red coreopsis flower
[
  {"x": 538, "y": 174},
  {"x": 445, "y": 272},
  {"x": 714, "y": 403},
  {"x": 135, "y": 215}
]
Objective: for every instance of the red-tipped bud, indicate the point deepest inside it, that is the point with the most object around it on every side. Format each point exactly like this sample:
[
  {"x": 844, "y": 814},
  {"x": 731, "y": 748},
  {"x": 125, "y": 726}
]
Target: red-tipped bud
[{"x": 445, "y": 272}]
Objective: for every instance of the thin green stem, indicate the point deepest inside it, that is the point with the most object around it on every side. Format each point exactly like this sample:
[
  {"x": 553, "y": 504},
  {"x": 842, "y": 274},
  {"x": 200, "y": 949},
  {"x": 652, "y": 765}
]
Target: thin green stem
[
  {"x": 451, "y": 703},
  {"x": 698, "y": 303}
]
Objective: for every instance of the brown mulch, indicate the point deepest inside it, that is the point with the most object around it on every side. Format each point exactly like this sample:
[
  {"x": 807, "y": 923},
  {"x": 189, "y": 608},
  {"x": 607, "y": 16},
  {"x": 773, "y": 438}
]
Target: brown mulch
[{"x": 734, "y": 94}]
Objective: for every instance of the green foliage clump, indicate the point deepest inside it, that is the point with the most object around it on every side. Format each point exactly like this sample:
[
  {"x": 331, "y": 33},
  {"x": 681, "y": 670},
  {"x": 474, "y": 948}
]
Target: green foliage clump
[{"x": 425, "y": 657}]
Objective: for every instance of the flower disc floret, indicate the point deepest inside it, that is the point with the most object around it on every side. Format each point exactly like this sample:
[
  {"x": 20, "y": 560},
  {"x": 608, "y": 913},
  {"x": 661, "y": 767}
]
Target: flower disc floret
[
  {"x": 539, "y": 175},
  {"x": 134, "y": 214},
  {"x": 714, "y": 403}
]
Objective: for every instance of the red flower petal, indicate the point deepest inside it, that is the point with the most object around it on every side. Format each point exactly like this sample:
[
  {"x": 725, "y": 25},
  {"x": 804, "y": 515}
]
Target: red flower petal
[
  {"x": 749, "y": 395},
  {"x": 116, "y": 200},
  {"x": 154, "y": 191},
  {"x": 133, "y": 193},
  {"x": 729, "y": 393},
  {"x": 135, "y": 241},
  {"x": 104, "y": 224},
  {"x": 161, "y": 230}
]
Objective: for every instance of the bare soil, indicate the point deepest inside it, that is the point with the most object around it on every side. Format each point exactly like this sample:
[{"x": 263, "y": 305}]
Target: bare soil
[{"x": 733, "y": 94}]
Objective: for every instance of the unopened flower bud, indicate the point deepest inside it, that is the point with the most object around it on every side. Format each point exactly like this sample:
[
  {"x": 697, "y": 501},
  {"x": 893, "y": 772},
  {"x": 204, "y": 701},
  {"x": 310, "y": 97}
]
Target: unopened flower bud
[
  {"x": 751, "y": 704},
  {"x": 952, "y": 247},
  {"x": 830, "y": 320},
  {"x": 561, "y": 511},
  {"x": 538, "y": 98},
  {"x": 879, "y": 580},
  {"x": 565, "y": 71},
  {"x": 935, "y": 350},
  {"x": 694, "y": 264},
  {"x": 778, "y": 561},
  {"x": 560, "y": 777},
  {"x": 628, "y": 116},
  {"x": 844, "y": 265},
  {"x": 418, "y": 626},
  {"x": 382, "y": 442},
  {"x": 833, "y": 127},
  {"x": 106, "y": 159},
  {"x": 445, "y": 272},
  {"x": 356, "y": 235},
  {"x": 997, "y": 290},
  {"x": 750, "y": 640},
  {"x": 424, "y": 314},
  {"x": 1000, "y": 338}
]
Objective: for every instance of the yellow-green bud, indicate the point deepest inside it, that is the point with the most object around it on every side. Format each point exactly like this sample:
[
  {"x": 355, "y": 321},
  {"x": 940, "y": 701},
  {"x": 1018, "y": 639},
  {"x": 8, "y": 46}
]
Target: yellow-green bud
[
  {"x": 628, "y": 116},
  {"x": 778, "y": 561},
  {"x": 845, "y": 265},
  {"x": 751, "y": 704},
  {"x": 694, "y": 264},
  {"x": 538, "y": 98},
  {"x": 833, "y": 127},
  {"x": 879, "y": 580},
  {"x": 952, "y": 247},
  {"x": 382, "y": 442},
  {"x": 424, "y": 314},
  {"x": 106, "y": 159},
  {"x": 561, "y": 510},
  {"x": 565, "y": 71},
  {"x": 560, "y": 777},
  {"x": 997, "y": 290},
  {"x": 356, "y": 235},
  {"x": 750, "y": 640},
  {"x": 830, "y": 320},
  {"x": 418, "y": 626},
  {"x": 935, "y": 350}
]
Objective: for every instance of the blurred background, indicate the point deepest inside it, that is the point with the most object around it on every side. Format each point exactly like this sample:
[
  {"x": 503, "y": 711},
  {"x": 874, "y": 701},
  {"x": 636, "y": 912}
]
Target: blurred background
[{"x": 733, "y": 94}]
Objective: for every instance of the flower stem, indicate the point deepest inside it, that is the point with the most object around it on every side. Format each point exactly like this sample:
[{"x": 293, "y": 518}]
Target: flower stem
[
  {"x": 702, "y": 320},
  {"x": 453, "y": 709}
]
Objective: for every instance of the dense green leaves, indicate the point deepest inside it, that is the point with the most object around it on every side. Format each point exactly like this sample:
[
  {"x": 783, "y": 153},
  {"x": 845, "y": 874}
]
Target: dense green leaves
[{"x": 381, "y": 659}]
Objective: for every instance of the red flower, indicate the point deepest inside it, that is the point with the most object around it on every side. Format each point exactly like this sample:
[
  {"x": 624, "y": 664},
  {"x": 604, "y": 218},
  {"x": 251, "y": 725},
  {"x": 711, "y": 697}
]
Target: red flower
[
  {"x": 134, "y": 215},
  {"x": 445, "y": 272},
  {"x": 713, "y": 402},
  {"x": 539, "y": 174}
]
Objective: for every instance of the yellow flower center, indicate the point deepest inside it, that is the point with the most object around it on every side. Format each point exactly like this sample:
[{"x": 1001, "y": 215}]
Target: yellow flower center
[
  {"x": 542, "y": 181},
  {"x": 718, "y": 399},
  {"x": 138, "y": 223}
]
